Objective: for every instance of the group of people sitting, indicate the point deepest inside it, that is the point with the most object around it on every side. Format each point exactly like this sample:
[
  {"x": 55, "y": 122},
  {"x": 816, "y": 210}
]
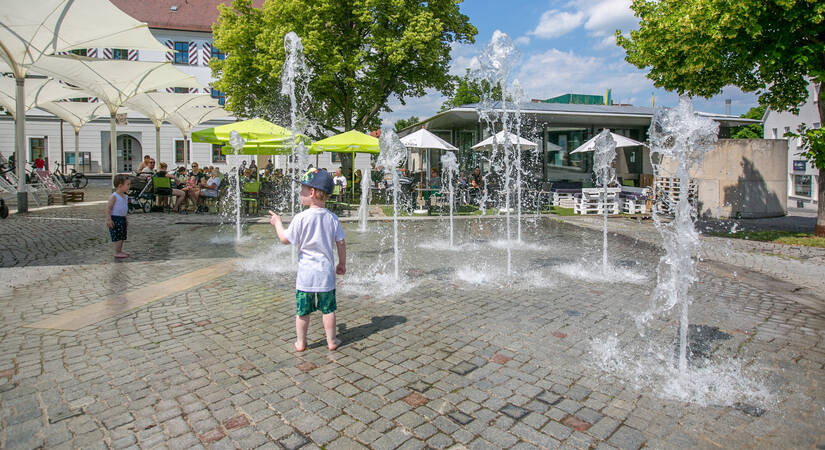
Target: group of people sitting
[{"x": 194, "y": 185}]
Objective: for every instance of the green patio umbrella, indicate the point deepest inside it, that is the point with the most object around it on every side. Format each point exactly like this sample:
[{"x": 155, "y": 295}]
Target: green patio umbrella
[
  {"x": 259, "y": 148},
  {"x": 251, "y": 130},
  {"x": 351, "y": 142}
]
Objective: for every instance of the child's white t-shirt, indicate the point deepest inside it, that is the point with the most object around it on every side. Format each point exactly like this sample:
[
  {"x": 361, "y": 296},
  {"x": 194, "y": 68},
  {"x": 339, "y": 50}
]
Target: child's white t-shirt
[{"x": 314, "y": 233}]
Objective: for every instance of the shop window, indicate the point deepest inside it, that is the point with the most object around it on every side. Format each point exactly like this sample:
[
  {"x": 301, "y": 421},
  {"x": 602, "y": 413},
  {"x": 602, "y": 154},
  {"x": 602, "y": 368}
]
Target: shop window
[
  {"x": 37, "y": 148},
  {"x": 802, "y": 185},
  {"x": 217, "y": 154}
]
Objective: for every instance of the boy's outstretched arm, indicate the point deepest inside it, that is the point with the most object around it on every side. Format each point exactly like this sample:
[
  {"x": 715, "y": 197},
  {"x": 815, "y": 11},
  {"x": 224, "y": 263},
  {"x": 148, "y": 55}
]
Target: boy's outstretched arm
[
  {"x": 275, "y": 220},
  {"x": 342, "y": 257}
]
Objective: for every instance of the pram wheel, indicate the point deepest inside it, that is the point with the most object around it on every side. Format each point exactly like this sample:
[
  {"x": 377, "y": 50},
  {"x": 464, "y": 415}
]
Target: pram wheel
[
  {"x": 4, "y": 210},
  {"x": 147, "y": 207}
]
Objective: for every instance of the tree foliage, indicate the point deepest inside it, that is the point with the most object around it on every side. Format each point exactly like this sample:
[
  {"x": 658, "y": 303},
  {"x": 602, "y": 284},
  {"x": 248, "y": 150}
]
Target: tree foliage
[
  {"x": 400, "y": 124},
  {"x": 469, "y": 90},
  {"x": 754, "y": 131},
  {"x": 361, "y": 52}
]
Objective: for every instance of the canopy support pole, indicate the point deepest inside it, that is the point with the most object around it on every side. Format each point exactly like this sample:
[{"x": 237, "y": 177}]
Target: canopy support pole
[
  {"x": 157, "y": 144},
  {"x": 20, "y": 141},
  {"x": 112, "y": 145},
  {"x": 185, "y": 149},
  {"x": 76, "y": 149}
]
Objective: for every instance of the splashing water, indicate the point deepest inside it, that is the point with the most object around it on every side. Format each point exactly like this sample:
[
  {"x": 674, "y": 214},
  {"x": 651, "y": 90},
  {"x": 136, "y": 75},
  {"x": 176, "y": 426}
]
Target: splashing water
[
  {"x": 449, "y": 167},
  {"x": 295, "y": 76},
  {"x": 364, "y": 208},
  {"x": 605, "y": 153},
  {"x": 495, "y": 64},
  {"x": 393, "y": 153},
  {"x": 678, "y": 137},
  {"x": 237, "y": 142}
]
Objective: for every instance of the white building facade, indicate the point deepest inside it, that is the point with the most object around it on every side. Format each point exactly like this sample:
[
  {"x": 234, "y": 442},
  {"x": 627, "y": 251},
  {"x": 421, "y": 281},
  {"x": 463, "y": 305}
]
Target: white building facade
[
  {"x": 803, "y": 177},
  {"x": 186, "y": 31}
]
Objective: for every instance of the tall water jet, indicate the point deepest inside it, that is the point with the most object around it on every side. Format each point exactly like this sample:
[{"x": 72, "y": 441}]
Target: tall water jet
[
  {"x": 295, "y": 76},
  {"x": 449, "y": 168},
  {"x": 364, "y": 207},
  {"x": 237, "y": 142},
  {"x": 679, "y": 139},
  {"x": 393, "y": 153},
  {"x": 603, "y": 157},
  {"x": 517, "y": 95},
  {"x": 495, "y": 63}
]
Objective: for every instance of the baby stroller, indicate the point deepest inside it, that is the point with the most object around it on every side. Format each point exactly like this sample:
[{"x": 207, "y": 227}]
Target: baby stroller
[{"x": 140, "y": 194}]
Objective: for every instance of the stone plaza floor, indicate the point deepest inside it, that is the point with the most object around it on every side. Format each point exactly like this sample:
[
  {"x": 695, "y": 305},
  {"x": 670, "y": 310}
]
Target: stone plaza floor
[{"x": 188, "y": 343}]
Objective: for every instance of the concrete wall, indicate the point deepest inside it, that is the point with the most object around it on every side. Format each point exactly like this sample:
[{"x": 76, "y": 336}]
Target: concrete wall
[{"x": 742, "y": 178}]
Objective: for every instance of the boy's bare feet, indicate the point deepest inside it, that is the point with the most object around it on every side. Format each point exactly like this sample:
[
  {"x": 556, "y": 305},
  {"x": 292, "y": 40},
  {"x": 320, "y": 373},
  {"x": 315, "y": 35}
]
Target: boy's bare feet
[
  {"x": 300, "y": 347},
  {"x": 121, "y": 255},
  {"x": 334, "y": 345}
]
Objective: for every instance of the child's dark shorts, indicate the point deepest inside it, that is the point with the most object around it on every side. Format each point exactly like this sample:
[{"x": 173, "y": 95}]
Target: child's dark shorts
[
  {"x": 307, "y": 302},
  {"x": 118, "y": 232}
]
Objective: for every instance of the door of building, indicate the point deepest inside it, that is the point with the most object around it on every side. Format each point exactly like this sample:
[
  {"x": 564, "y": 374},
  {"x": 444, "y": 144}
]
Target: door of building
[{"x": 128, "y": 153}]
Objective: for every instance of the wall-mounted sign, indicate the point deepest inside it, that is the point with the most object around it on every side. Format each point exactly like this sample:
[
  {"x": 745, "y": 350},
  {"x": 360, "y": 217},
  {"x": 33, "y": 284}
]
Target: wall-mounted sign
[{"x": 799, "y": 165}]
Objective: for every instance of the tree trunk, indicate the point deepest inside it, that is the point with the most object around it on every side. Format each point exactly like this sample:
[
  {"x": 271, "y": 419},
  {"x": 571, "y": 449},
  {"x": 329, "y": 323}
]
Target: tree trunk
[{"x": 820, "y": 214}]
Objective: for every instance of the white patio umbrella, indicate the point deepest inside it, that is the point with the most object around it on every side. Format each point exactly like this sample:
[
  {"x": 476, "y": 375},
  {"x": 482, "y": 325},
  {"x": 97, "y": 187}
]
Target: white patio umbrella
[
  {"x": 158, "y": 106},
  {"x": 41, "y": 90},
  {"x": 189, "y": 117},
  {"x": 114, "y": 82},
  {"x": 514, "y": 140},
  {"x": 422, "y": 139},
  {"x": 621, "y": 141},
  {"x": 30, "y": 30},
  {"x": 77, "y": 114}
]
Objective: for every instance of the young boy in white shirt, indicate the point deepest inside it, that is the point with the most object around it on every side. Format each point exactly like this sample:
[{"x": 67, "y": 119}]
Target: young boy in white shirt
[{"x": 313, "y": 232}]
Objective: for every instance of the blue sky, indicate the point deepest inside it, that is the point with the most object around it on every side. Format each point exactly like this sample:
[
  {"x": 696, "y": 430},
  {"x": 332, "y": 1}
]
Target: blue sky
[{"x": 566, "y": 46}]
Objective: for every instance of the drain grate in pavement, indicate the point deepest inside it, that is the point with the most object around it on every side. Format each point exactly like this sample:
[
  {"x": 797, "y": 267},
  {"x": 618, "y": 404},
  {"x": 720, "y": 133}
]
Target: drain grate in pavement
[
  {"x": 460, "y": 418},
  {"x": 512, "y": 411},
  {"x": 463, "y": 368},
  {"x": 700, "y": 339},
  {"x": 63, "y": 415},
  {"x": 751, "y": 410}
]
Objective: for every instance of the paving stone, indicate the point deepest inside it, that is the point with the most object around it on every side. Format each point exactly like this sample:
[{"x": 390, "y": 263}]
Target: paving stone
[
  {"x": 460, "y": 418},
  {"x": 513, "y": 411},
  {"x": 293, "y": 441},
  {"x": 627, "y": 438}
]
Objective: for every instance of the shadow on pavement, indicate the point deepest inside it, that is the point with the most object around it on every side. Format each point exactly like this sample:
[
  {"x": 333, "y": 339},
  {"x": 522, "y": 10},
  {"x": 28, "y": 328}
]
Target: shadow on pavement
[{"x": 350, "y": 336}]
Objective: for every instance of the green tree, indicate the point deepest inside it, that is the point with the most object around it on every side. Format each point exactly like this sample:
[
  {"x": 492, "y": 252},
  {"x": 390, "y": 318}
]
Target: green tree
[
  {"x": 400, "y": 124},
  {"x": 754, "y": 131},
  {"x": 771, "y": 47},
  {"x": 468, "y": 90},
  {"x": 361, "y": 52}
]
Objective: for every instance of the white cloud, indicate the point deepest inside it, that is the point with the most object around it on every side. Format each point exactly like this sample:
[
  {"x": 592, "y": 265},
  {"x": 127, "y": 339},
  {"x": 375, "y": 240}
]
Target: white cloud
[
  {"x": 523, "y": 40},
  {"x": 463, "y": 57},
  {"x": 555, "y": 23}
]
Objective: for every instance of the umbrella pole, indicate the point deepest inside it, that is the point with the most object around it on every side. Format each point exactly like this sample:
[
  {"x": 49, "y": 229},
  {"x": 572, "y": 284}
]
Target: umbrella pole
[
  {"x": 157, "y": 143},
  {"x": 20, "y": 138},
  {"x": 76, "y": 149},
  {"x": 112, "y": 146}
]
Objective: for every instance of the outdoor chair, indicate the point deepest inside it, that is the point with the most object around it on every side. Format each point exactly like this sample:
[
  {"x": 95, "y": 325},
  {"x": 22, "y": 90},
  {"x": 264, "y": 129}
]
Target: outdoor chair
[
  {"x": 634, "y": 200},
  {"x": 251, "y": 195},
  {"x": 162, "y": 189},
  {"x": 589, "y": 201}
]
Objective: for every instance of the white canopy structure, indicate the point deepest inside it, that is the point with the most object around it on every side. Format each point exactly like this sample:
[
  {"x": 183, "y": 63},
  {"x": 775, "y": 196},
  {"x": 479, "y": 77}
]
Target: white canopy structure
[
  {"x": 41, "y": 90},
  {"x": 30, "y": 30},
  {"x": 158, "y": 106},
  {"x": 190, "y": 117},
  {"x": 621, "y": 141},
  {"x": 424, "y": 139},
  {"x": 114, "y": 82},
  {"x": 76, "y": 114},
  {"x": 514, "y": 140}
]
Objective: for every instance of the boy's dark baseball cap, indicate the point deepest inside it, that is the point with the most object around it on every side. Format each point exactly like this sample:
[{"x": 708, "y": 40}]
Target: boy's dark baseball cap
[{"x": 318, "y": 179}]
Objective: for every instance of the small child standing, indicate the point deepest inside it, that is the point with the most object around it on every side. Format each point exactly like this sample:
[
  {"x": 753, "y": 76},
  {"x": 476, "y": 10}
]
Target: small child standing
[
  {"x": 116, "y": 211},
  {"x": 313, "y": 233}
]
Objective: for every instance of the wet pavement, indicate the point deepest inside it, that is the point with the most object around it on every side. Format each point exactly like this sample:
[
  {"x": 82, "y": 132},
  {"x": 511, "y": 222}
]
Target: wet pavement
[{"x": 188, "y": 343}]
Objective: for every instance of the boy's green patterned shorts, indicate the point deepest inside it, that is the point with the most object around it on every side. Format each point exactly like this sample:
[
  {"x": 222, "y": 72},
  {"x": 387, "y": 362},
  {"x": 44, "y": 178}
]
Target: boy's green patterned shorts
[{"x": 307, "y": 302}]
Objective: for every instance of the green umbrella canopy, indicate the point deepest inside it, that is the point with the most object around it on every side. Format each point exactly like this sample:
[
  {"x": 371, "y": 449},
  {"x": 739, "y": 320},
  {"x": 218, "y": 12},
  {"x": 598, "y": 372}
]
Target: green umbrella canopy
[
  {"x": 251, "y": 130},
  {"x": 259, "y": 148},
  {"x": 349, "y": 142}
]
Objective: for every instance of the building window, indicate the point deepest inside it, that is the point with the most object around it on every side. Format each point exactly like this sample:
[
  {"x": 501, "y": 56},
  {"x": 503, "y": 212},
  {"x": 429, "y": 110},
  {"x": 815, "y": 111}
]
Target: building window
[
  {"x": 79, "y": 52},
  {"x": 221, "y": 96},
  {"x": 179, "y": 149},
  {"x": 180, "y": 90},
  {"x": 336, "y": 157},
  {"x": 120, "y": 53},
  {"x": 802, "y": 185},
  {"x": 217, "y": 154},
  {"x": 799, "y": 165},
  {"x": 181, "y": 53},
  {"x": 217, "y": 54},
  {"x": 37, "y": 148},
  {"x": 817, "y": 125}
]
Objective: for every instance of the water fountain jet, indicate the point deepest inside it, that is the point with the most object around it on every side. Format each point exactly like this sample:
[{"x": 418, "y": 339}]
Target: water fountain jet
[{"x": 393, "y": 153}]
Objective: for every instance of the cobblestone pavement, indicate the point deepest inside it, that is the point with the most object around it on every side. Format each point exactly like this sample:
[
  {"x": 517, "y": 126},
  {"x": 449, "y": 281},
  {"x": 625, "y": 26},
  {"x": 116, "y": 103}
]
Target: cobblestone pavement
[{"x": 458, "y": 354}]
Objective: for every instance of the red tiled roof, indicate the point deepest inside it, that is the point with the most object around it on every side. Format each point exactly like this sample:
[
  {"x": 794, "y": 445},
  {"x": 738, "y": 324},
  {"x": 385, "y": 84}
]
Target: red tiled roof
[{"x": 191, "y": 15}]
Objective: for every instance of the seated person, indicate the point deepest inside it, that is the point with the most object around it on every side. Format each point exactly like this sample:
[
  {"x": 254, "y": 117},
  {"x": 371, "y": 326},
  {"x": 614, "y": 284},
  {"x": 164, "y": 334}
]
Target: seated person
[
  {"x": 210, "y": 186},
  {"x": 340, "y": 180},
  {"x": 177, "y": 193},
  {"x": 192, "y": 188},
  {"x": 358, "y": 177},
  {"x": 435, "y": 180},
  {"x": 148, "y": 170},
  {"x": 143, "y": 164}
]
